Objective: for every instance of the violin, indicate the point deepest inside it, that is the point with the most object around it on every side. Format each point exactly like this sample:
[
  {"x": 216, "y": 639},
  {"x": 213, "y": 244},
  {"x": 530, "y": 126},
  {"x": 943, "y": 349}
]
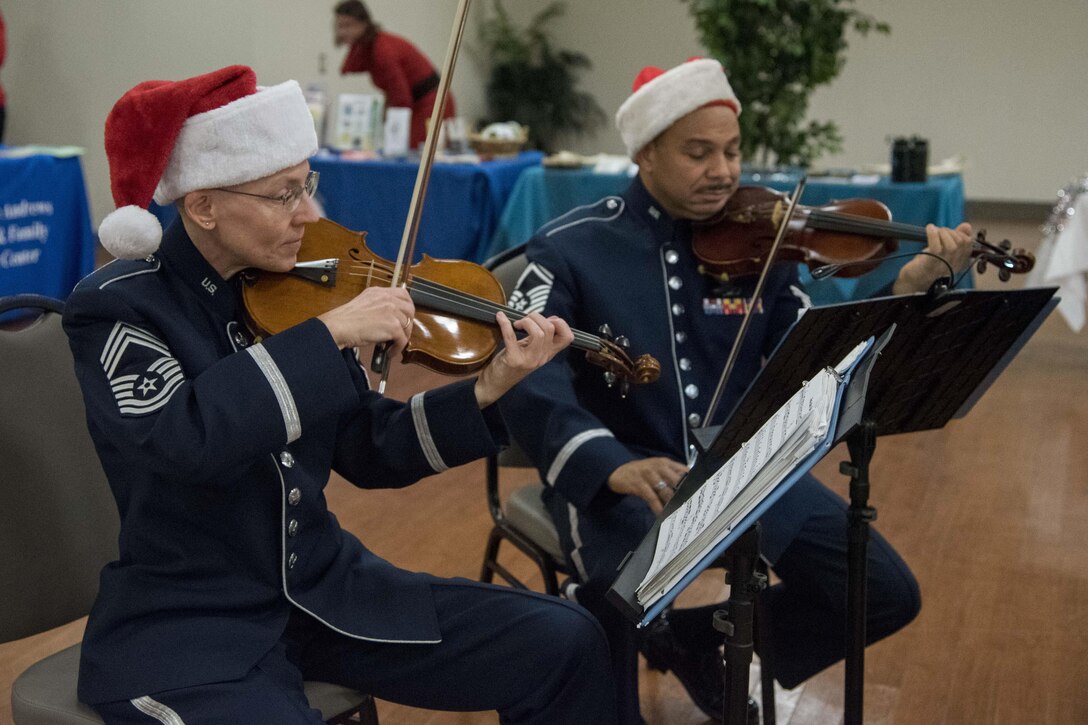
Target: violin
[
  {"x": 855, "y": 233},
  {"x": 454, "y": 331}
]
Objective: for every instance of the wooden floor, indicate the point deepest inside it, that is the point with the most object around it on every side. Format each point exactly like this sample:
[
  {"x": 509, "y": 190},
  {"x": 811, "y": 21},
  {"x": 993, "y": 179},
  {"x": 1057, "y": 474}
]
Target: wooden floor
[{"x": 991, "y": 513}]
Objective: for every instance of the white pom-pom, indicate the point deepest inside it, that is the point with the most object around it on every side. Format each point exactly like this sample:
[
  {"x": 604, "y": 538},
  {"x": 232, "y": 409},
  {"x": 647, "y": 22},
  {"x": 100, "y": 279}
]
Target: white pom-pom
[{"x": 130, "y": 232}]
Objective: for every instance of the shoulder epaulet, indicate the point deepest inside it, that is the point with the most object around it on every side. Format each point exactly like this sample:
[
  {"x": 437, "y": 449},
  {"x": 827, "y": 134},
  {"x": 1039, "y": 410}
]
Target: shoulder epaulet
[
  {"x": 604, "y": 210},
  {"x": 121, "y": 269}
]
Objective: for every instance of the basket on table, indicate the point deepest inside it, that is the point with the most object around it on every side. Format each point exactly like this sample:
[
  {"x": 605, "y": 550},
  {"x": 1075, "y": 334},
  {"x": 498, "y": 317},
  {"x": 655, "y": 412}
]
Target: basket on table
[{"x": 499, "y": 139}]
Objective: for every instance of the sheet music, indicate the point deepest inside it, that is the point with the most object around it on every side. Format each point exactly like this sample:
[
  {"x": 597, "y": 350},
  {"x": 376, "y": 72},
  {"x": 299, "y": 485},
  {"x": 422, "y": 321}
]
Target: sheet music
[{"x": 736, "y": 488}]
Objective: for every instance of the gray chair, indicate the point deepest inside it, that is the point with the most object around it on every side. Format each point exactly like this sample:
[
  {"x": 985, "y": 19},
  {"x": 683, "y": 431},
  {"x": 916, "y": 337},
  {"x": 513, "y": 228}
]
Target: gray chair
[
  {"x": 521, "y": 519},
  {"x": 59, "y": 525}
]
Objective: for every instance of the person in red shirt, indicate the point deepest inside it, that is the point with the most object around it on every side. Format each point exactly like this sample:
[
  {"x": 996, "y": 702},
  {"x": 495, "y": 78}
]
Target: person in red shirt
[{"x": 397, "y": 67}]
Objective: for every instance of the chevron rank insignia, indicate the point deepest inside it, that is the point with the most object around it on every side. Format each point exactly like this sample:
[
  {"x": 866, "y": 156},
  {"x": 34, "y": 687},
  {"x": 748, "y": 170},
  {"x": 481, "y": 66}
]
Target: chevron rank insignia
[
  {"x": 532, "y": 290},
  {"x": 142, "y": 372}
]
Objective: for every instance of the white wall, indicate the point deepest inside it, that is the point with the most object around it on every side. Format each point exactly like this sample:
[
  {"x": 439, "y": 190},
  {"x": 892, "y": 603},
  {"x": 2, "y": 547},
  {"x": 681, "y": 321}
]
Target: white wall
[{"x": 997, "y": 81}]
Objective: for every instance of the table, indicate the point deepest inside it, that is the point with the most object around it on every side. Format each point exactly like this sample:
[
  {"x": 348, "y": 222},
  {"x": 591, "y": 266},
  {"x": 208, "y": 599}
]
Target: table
[
  {"x": 460, "y": 212},
  {"x": 542, "y": 194},
  {"x": 46, "y": 242}
]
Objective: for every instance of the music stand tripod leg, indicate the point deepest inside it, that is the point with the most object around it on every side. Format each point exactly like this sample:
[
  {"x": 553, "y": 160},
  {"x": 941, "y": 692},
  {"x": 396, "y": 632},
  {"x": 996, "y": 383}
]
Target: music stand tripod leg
[
  {"x": 861, "y": 442},
  {"x": 736, "y": 622}
]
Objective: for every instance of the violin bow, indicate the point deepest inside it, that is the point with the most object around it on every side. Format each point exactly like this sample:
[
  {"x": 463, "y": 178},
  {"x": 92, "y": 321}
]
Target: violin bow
[
  {"x": 380, "y": 361},
  {"x": 783, "y": 225}
]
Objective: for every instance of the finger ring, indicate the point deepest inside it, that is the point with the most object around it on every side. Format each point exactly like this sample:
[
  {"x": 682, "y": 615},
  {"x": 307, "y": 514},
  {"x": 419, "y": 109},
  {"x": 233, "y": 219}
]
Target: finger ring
[
  {"x": 407, "y": 323},
  {"x": 661, "y": 485}
]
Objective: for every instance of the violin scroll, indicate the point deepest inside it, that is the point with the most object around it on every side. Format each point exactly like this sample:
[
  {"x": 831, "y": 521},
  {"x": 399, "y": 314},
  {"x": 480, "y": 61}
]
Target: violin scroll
[
  {"x": 611, "y": 355},
  {"x": 1008, "y": 261}
]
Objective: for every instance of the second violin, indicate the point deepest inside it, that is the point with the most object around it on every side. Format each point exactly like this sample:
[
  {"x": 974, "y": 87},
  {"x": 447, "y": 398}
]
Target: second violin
[{"x": 735, "y": 242}]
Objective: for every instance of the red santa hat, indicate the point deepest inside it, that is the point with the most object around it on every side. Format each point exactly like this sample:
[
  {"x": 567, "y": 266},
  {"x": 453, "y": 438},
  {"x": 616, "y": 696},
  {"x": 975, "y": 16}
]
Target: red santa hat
[
  {"x": 167, "y": 138},
  {"x": 661, "y": 98}
]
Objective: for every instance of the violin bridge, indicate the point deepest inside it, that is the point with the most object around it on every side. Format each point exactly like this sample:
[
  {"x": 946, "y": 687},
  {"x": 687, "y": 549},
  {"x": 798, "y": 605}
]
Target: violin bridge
[
  {"x": 321, "y": 271},
  {"x": 776, "y": 214}
]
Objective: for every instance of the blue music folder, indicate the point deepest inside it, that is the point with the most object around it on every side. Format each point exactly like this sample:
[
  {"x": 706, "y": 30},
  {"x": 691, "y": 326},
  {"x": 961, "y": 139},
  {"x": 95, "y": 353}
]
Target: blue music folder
[{"x": 698, "y": 559}]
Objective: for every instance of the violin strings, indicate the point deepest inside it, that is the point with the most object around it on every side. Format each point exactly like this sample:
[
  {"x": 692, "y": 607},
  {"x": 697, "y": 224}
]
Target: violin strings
[
  {"x": 838, "y": 222},
  {"x": 850, "y": 223},
  {"x": 463, "y": 303},
  {"x": 466, "y": 303}
]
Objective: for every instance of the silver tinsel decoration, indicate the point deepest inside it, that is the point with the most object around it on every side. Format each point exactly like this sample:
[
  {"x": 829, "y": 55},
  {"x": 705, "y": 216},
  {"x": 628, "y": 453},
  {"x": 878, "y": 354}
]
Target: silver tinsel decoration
[{"x": 1064, "y": 209}]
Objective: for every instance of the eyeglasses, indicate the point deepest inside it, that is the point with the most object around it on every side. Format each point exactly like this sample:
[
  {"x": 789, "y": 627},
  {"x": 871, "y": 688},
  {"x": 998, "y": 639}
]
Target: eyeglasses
[{"x": 291, "y": 199}]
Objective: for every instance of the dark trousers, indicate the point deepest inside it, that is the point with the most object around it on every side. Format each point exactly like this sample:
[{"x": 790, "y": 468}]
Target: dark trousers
[
  {"x": 534, "y": 659},
  {"x": 803, "y": 539}
]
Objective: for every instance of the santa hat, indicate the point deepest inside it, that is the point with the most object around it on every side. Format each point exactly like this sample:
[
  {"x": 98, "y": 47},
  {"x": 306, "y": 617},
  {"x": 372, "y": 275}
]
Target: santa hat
[
  {"x": 167, "y": 138},
  {"x": 661, "y": 98}
]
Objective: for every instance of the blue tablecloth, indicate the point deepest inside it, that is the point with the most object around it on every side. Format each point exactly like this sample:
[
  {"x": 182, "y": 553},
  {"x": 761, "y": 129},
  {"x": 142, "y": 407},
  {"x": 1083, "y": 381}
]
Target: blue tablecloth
[
  {"x": 46, "y": 242},
  {"x": 542, "y": 194},
  {"x": 460, "y": 212}
]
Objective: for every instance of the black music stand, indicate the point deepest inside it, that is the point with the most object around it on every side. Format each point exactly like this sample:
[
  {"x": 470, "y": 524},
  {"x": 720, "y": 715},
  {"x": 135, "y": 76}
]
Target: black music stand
[{"x": 946, "y": 350}]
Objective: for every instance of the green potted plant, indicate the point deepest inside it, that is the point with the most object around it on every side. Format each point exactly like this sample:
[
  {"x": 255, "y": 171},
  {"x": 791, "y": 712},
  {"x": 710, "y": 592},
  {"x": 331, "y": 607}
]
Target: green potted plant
[
  {"x": 531, "y": 81},
  {"x": 776, "y": 52}
]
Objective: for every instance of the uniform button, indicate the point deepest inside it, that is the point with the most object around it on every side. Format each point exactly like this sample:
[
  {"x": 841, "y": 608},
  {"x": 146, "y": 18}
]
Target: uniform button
[
  {"x": 672, "y": 257},
  {"x": 681, "y": 336},
  {"x": 692, "y": 391},
  {"x": 677, "y": 309},
  {"x": 675, "y": 283},
  {"x": 291, "y": 560},
  {"x": 694, "y": 419},
  {"x": 239, "y": 339},
  {"x": 685, "y": 364},
  {"x": 294, "y": 496},
  {"x": 286, "y": 459},
  {"x": 611, "y": 204},
  {"x": 292, "y": 527}
]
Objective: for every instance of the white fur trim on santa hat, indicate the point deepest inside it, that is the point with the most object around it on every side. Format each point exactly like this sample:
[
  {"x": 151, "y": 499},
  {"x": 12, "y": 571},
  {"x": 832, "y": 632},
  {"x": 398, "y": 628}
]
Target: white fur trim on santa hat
[
  {"x": 247, "y": 139},
  {"x": 130, "y": 232},
  {"x": 666, "y": 99}
]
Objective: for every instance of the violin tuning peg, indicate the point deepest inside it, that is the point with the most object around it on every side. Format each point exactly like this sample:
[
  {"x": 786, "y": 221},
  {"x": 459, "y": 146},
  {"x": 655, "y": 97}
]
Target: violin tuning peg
[
  {"x": 623, "y": 342},
  {"x": 605, "y": 331},
  {"x": 624, "y": 387},
  {"x": 609, "y": 378}
]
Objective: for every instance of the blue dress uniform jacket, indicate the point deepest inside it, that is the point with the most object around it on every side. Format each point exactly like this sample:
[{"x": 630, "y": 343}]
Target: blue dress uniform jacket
[
  {"x": 625, "y": 263},
  {"x": 218, "y": 448}
]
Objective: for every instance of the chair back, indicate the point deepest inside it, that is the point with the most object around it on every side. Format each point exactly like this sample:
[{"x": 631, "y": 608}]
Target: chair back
[
  {"x": 59, "y": 525},
  {"x": 507, "y": 267}
]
